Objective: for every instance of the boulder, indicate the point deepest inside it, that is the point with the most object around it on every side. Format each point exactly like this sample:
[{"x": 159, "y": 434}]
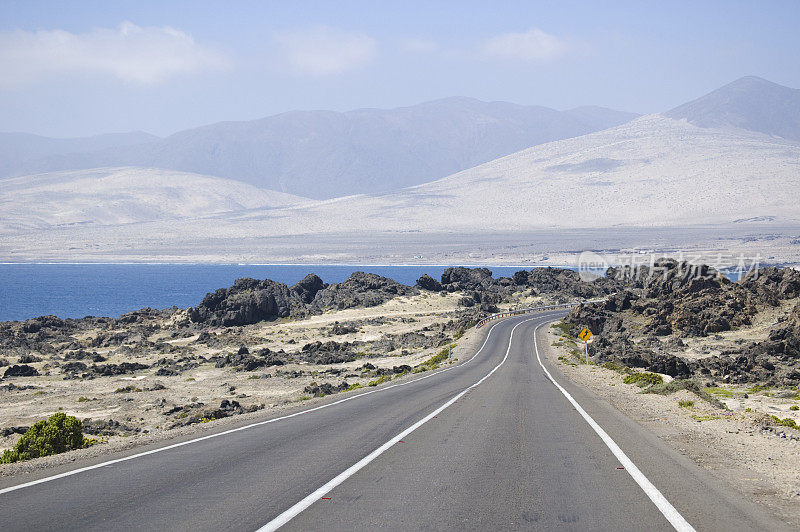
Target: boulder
[
  {"x": 308, "y": 287},
  {"x": 21, "y": 370},
  {"x": 426, "y": 282},
  {"x": 360, "y": 290}
]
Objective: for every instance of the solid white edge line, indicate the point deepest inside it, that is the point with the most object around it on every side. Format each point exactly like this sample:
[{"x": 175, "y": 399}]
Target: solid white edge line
[
  {"x": 661, "y": 502},
  {"x": 317, "y": 494},
  {"x": 245, "y": 427}
]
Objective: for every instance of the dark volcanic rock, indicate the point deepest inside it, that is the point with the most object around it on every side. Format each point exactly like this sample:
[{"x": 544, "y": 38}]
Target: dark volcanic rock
[
  {"x": 71, "y": 369},
  {"x": 426, "y": 282},
  {"x": 49, "y": 322},
  {"x": 8, "y": 431},
  {"x": 682, "y": 300},
  {"x": 564, "y": 282},
  {"x": 22, "y": 370},
  {"x": 460, "y": 279},
  {"x": 244, "y": 361},
  {"x": 109, "y": 370},
  {"x": 107, "y": 427},
  {"x": 772, "y": 284},
  {"x": 251, "y": 301},
  {"x": 325, "y": 389},
  {"x": 360, "y": 290},
  {"x": 247, "y": 301},
  {"x": 308, "y": 287},
  {"x": 327, "y": 352},
  {"x": 226, "y": 408}
]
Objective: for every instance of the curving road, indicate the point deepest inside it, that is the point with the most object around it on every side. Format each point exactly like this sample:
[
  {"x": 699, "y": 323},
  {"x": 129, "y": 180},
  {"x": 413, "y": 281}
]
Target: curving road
[{"x": 502, "y": 441}]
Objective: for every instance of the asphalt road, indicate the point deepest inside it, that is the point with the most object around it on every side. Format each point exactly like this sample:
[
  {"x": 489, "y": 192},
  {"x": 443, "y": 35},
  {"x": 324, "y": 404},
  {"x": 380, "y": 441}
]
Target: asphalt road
[{"x": 494, "y": 445}]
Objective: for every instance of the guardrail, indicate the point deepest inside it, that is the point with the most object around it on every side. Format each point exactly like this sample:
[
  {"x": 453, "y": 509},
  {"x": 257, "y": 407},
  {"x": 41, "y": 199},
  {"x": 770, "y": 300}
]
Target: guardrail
[{"x": 533, "y": 309}]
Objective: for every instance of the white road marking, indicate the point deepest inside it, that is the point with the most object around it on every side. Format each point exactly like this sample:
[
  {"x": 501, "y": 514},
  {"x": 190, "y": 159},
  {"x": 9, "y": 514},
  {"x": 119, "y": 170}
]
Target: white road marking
[
  {"x": 245, "y": 427},
  {"x": 316, "y": 495},
  {"x": 661, "y": 502}
]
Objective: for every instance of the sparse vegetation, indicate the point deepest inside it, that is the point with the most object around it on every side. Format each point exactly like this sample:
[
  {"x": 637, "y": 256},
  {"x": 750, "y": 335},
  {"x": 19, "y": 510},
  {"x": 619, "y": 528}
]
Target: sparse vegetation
[
  {"x": 562, "y": 327},
  {"x": 704, "y": 417},
  {"x": 127, "y": 389},
  {"x": 614, "y": 367},
  {"x": 721, "y": 392},
  {"x": 786, "y": 422},
  {"x": 567, "y": 361},
  {"x": 685, "y": 403},
  {"x": 689, "y": 385},
  {"x": 57, "y": 434},
  {"x": 794, "y": 407},
  {"x": 644, "y": 379},
  {"x": 433, "y": 362},
  {"x": 380, "y": 380}
]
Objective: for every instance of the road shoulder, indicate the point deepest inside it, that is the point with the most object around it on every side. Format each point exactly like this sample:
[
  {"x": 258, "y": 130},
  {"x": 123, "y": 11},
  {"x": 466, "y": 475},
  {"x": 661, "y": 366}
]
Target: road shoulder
[{"x": 740, "y": 456}]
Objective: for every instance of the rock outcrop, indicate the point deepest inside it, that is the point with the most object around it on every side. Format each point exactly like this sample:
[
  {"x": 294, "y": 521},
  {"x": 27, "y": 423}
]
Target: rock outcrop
[
  {"x": 247, "y": 301},
  {"x": 676, "y": 300},
  {"x": 360, "y": 290},
  {"x": 250, "y": 301}
]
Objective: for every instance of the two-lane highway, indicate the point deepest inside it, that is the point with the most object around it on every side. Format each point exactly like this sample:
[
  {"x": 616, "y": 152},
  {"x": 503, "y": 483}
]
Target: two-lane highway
[{"x": 489, "y": 444}]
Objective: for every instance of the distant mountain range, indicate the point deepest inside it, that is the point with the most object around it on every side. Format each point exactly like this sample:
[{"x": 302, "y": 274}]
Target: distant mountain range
[
  {"x": 749, "y": 103},
  {"x": 653, "y": 171},
  {"x": 18, "y": 151},
  {"x": 325, "y": 154},
  {"x": 723, "y": 160}
]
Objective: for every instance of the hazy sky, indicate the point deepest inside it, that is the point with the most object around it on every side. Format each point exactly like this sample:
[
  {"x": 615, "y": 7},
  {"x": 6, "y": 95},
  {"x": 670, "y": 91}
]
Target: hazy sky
[{"x": 81, "y": 68}]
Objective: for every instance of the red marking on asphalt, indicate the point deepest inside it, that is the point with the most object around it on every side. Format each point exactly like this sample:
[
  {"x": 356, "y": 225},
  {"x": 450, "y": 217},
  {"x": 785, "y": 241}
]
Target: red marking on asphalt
[
  {"x": 401, "y": 441},
  {"x": 326, "y": 498},
  {"x": 620, "y": 468}
]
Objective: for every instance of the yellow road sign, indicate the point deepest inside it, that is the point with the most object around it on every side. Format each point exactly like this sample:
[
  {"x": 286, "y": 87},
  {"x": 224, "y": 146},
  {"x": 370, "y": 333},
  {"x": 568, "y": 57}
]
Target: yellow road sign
[{"x": 585, "y": 335}]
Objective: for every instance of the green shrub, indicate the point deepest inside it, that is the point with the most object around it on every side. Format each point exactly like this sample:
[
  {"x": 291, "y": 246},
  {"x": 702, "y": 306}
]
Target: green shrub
[
  {"x": 355, "y": 386},
  {"x": 562, "y": 328},
  {"x": 380, "y": 380},
  {"x": 689, "y": 385},
  {"x": 433, "y": 362},
  {"x": 83, "y": 399},
  {"x": 57, "y": 434},
  {"x": 644, "y": 379},
  {"x": 716, "y": 390},
  {"x": 794, "y": 407},
  {"x": 615, "y": 367},
  {"x": 685, "y": 403},
  {"x": 786, "y": 422}
]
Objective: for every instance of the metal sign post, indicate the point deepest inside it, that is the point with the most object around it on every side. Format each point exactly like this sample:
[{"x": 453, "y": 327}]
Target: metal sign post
[{"x": 586, "y": 335}]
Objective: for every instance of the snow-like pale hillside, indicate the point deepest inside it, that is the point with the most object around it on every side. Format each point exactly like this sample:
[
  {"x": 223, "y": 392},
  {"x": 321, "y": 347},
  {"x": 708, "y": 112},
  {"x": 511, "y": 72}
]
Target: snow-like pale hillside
[
  {"x": 113, "y": 196},
  {"x": 653, "y": 171}
]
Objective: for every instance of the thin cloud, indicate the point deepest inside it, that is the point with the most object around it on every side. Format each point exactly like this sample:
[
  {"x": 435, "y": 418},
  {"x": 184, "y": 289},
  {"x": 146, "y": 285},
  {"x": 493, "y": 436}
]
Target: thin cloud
[
  {"x": 533, "y": 45},
  {"x": 418, "y": 45},
  {"x": 143, "y": 55},
  {"x": 324, "y": 51}
]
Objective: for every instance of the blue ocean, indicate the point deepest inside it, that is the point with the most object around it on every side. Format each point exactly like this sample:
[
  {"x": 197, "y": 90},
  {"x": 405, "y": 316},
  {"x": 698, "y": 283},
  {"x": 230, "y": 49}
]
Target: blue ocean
[{"x": 78, "y": 290}]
